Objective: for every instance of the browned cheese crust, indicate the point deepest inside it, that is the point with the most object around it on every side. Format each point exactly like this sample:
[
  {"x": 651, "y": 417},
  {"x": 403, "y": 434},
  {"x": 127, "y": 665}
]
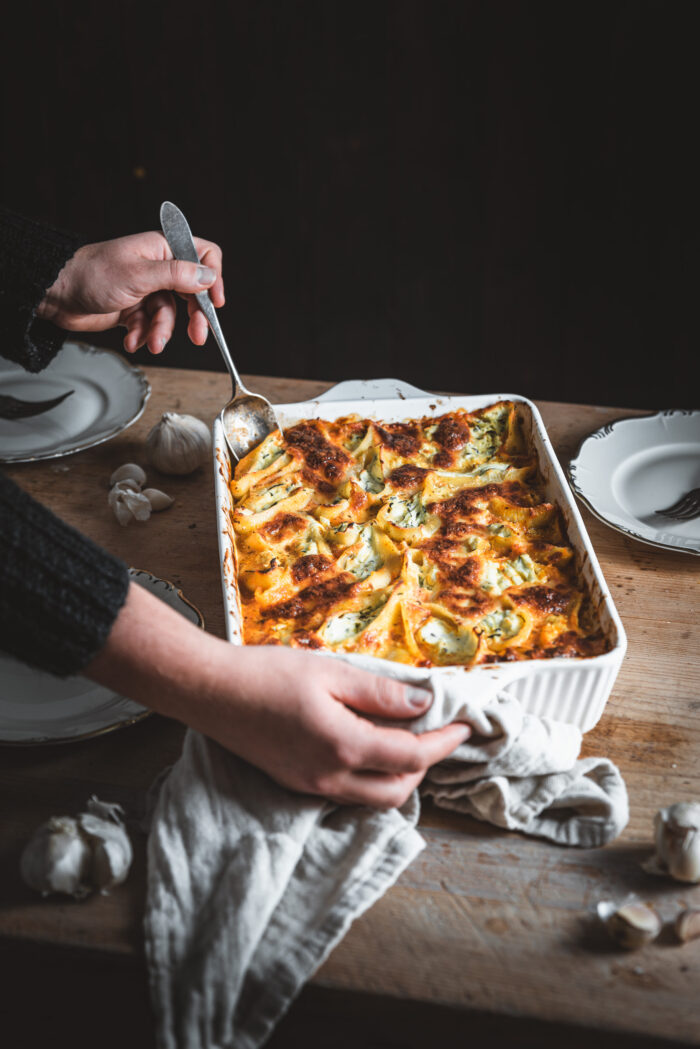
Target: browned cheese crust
[{"x": 428, "y": 542}]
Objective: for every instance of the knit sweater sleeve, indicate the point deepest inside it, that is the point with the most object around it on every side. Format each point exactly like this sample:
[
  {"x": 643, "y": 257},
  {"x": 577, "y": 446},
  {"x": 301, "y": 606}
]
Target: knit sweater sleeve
[
  {"x": 59, "y": 591},
  {"x": 31, "y": 257}
]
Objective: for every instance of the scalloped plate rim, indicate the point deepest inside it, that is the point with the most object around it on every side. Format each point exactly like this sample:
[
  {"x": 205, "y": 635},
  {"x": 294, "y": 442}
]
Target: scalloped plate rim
[
  {"x": 141, "y": 384},
  {"x": 605, "y": 433}
]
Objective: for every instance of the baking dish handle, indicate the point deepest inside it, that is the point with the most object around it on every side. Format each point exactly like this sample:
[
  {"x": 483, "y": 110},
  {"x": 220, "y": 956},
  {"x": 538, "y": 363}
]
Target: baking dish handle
[{"x": 372, "y": 389}]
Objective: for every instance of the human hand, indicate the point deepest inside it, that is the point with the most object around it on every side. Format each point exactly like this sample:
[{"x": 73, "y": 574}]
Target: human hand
[
  {"x": 129, "y": 281},
  {"x": 297, "y": 716},
  {"x": 293, "y": 714}
]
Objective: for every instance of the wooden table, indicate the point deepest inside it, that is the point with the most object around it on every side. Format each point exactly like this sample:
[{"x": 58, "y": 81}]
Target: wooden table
[{"x": 487, "y": 938}]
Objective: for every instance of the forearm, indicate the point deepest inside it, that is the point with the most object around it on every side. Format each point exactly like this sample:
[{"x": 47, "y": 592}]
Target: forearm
[{"x": 158, "y": 658}]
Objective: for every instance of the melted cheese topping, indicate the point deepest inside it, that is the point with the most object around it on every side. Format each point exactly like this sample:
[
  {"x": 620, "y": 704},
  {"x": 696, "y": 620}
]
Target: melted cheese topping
[{"x": 427, "y": 542}]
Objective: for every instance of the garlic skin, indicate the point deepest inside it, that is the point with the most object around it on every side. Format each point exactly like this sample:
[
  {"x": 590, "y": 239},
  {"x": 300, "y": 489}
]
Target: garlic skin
[
  {"x": 158, "y": 500},
  {"x": 57, "y": 859},
  {"x": 677, "y": 838},
  {"x": 128, "y": 504},
  {"x": 178, "y": 444},
  {"x": 129, "y": 472},
  {"x": 75, "y": 856}
]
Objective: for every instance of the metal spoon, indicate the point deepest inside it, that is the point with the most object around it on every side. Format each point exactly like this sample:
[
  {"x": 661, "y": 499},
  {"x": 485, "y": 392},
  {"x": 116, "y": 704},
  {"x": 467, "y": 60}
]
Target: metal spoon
[{"x": 248, "y": 417}]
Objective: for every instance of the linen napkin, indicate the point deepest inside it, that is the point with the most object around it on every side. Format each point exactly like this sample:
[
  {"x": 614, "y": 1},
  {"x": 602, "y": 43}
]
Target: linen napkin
[{"x": 250, "y": 886}]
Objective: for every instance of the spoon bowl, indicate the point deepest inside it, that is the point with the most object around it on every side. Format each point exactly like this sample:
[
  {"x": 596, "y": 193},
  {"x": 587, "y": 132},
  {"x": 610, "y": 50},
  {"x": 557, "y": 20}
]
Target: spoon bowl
[{"x": 247, "y": 420}]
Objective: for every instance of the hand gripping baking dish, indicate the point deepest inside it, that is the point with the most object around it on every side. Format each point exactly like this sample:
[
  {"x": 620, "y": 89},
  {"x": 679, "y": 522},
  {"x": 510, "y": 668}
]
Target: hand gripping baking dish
[{"x": 567, "y": 689}]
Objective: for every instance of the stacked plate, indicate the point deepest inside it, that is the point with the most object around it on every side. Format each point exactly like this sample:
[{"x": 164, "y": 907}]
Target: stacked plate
[{"x": 36, "y": 707}]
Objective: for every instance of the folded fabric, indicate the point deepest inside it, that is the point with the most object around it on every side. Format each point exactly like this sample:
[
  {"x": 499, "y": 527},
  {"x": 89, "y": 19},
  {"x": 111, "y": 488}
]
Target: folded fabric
[{"x": 250, "y": 886}]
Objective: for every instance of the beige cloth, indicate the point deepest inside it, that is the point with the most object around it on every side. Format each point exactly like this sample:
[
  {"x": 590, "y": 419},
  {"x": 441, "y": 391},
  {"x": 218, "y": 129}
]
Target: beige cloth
[{"x": 250, "y": 886}]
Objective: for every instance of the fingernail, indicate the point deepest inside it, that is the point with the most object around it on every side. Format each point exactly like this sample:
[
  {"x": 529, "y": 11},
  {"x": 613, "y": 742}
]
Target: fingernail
[
  {"x": 418, "y": 697},
  {"x": 163, "y": 343},
  {"x": 205, "y": 275}
]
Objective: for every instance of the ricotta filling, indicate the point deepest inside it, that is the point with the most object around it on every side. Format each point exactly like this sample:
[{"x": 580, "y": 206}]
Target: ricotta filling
[
  {"x": 498, "y": 576},
  {"x": 348, "y": 625},
  {"x": 502, "y": 624},
  {"x": 368, "y": 558},
  {"x": 409, "y": 513},
  {"x": 271, "y": 496},
  {"x": 371, "y": 479},
  {"x": 438, "y": 635}
]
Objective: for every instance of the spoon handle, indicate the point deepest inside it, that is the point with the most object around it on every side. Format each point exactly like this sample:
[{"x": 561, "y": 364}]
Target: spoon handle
[
  {"x": 179, "y": 236},
  {"x": 207, "y": 308}
]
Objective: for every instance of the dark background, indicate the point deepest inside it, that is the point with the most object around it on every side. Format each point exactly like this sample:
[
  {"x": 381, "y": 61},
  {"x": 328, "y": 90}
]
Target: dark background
[{"x": 472, "y": 195}]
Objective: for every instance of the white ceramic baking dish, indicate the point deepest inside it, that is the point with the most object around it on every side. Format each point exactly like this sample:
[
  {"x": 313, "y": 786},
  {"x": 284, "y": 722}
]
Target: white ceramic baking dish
[{"x": 571, "y": 690}]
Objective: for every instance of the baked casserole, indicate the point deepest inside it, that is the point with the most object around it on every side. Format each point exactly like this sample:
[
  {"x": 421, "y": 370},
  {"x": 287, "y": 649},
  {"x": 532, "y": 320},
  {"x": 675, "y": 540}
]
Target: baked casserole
[{"x": 428, "y": 542}]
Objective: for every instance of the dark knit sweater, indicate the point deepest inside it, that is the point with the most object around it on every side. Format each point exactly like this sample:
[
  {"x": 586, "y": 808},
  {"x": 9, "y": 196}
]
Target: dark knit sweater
[{"x": 59, "y": 591}]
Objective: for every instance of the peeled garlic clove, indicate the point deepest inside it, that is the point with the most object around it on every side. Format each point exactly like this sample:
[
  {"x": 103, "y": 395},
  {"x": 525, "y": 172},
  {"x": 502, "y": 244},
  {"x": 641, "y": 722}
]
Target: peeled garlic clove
[
  {"x": 677, "y": 834},
  {"x": 129, "y": 472},
  {"x": 57, "y": 859},
  {"x": 178, "y": 444},
  {"x": 687, "y": 925},
  {"x": 632, "y": 925},
  {"x": 158, "y": 500}
]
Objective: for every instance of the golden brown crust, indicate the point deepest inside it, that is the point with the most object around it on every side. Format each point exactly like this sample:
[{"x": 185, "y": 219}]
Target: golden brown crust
[{"x": 427, "y": 541}]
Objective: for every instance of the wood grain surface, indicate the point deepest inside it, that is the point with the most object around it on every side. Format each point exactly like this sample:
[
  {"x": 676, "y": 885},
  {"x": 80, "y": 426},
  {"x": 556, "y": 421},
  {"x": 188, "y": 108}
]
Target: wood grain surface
[{"x": 487, "y": 932}]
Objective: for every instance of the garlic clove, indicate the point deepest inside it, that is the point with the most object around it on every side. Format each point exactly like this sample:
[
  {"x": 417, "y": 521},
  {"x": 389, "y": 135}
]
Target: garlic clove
[
  {"x": 122, "y": 513},
  {"x": 129, "y": 472},
  {"x": 158, "y": 500},
  {"x": 57, "y": 859},
  {"x": 677, "y": 839},
  {"x": 111, "y": 850},
  {"x": 632, "y": 924},
  {"x": 687, "y": 925},
  {"x": 178, "y": 444}
]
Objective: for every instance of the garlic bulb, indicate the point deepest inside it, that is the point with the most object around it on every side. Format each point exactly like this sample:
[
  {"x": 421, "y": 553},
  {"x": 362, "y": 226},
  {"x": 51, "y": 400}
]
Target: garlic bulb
[
  {"x": 677, "y": 833},
  {"x": 178, "y": 444},
  {"x": 129, "y": 472},
  {"x": 76, "y": 856}
]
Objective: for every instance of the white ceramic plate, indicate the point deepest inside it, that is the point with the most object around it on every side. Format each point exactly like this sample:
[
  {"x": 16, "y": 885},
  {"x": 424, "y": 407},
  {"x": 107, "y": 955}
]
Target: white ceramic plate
[
  {"x": 36, "y": 707},
  {"x": 630, "y": 468},
  {"x": 109, "y": 394}
]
